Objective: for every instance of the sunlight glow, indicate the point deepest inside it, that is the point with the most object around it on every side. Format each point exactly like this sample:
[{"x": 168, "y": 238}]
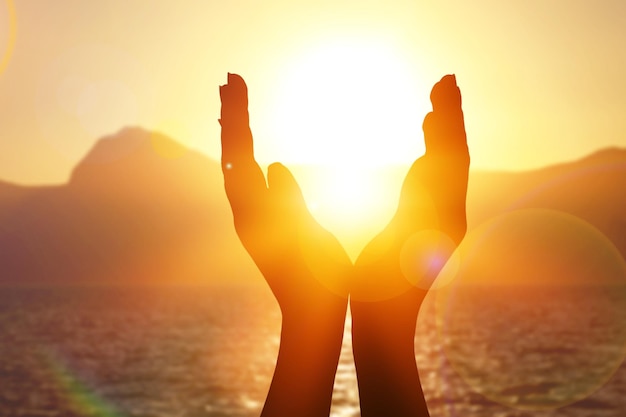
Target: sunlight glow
[
  {"x": 348, "y": 101},
  {"x": 354, "y": 204},
  {"x": 345, "y": 192},
  {"x": 350, "y": 106}
]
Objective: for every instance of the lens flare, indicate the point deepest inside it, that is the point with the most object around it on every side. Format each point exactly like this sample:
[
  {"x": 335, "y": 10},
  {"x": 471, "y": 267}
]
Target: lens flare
[
  {"x": 427, "y": 259},
  {"x": 9, "y": 43},
  {"x": 86, "y": 92},
  {"x": 79, "y": 395},
  {"x": 536, "y": 316}
]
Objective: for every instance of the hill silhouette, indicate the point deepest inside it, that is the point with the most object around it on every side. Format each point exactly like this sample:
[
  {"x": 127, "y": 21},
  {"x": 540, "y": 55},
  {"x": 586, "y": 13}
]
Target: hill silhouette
[
  {"x": 138, "y": 209},
  {"x": 141, "y": 209},
  {"x": 591, "y": 188}
]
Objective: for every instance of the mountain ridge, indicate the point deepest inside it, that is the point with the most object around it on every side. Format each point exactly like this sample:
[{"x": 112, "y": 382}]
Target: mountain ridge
[
  {"x": 128, "y": 215},
  {"x": 140, "y": 208}
]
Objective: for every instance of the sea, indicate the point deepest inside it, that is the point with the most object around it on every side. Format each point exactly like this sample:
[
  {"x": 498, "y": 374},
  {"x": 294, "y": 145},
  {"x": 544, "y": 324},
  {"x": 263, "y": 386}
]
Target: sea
[{"x": 209, "y": 351}]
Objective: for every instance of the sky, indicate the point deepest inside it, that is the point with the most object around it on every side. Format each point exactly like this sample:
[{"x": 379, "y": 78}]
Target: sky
[{"x": 542, "y": 81}]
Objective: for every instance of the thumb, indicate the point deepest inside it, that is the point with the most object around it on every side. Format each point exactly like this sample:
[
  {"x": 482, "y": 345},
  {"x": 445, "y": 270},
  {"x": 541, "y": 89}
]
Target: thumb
[
  {"x": 284, "y": 189},
  {"x": 429, "y": 127}
]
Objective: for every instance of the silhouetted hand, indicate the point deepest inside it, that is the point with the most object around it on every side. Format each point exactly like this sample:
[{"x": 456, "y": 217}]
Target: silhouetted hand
[
  {"x": 395, "y": 270},
  {"x": 304, "y": 265}
]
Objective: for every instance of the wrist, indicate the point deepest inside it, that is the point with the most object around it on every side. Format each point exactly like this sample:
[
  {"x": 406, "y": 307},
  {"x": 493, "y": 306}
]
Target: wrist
[
  {"x": 310, "y": 346},
  {"x": 313, "y": 332},
  {"x": 387, "y": 323},
  {"x": 384, "y": 357}
]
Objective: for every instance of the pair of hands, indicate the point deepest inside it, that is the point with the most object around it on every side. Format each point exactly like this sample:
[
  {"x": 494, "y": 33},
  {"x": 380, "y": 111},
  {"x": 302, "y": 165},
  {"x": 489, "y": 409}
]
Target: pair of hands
[{"x": 311, "y": 275}]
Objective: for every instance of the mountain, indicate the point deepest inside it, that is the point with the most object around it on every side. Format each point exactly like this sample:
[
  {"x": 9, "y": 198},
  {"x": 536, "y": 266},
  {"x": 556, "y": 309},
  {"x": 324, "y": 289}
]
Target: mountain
[
  {"x": 141, "y": 209},
  {"x": 138, "y": 209},
  {"x": 592, "y": 188}
]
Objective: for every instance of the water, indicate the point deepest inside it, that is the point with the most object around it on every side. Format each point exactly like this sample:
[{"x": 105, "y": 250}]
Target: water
[{"x": 196, "y": 352}]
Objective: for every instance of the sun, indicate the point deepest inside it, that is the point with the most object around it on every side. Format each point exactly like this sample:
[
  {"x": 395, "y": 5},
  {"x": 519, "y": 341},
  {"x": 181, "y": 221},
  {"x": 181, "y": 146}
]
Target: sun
[
  {"x": 349, "y": 106},
  {"x": 347, "y": 97}
]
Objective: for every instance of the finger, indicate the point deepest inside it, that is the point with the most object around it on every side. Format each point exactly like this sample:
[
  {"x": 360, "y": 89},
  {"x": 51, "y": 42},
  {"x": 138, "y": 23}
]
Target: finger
[
  {"x": 445, "y": 95},
  {"x": 235, "y": 122},
  {"x": 444, "y": 127},
  {"x": 285, "y": 191},
  {"x": 245, "y": 187},
  {"x": 243, "y": 178},
  {"x": 416, "y": 208}
]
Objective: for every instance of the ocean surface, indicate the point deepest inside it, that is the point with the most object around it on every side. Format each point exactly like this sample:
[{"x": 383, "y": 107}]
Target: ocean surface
[{"x": 210, "y": 351}]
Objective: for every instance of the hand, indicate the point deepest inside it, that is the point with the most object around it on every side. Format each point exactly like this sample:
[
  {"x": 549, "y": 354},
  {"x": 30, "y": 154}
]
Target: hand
[
  {"x": 304, "y": 265},
  {"x": 395, "y": 270}
]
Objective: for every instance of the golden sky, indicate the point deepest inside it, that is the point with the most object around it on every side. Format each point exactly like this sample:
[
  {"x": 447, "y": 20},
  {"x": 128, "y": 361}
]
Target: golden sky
[{"x": 542, "y": 81}]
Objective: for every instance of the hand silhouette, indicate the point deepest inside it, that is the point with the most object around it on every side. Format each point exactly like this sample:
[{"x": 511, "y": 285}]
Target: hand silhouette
[
  {"x": 395, "y": 270},
  {"x": 304, "y": 265}
]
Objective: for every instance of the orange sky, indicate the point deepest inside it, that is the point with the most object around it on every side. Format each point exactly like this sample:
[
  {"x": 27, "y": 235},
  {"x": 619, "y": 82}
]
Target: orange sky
[{"x": 542, "y": 81}]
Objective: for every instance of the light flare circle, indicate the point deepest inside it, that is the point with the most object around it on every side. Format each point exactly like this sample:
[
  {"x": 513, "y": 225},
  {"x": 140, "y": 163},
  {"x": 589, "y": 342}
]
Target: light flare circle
[
  {"x": 536, "y": 316},
  {"x": 9, "y": 35}
]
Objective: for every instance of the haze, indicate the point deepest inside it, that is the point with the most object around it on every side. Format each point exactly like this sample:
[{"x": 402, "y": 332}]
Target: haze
[{"x": 541, "y": 81}]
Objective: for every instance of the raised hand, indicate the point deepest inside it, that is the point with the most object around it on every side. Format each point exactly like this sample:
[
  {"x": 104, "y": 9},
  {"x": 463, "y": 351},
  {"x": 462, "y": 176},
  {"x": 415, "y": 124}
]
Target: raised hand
[
  {"x": 304, "y": 265},
  {"x": 395, "y": 270}
]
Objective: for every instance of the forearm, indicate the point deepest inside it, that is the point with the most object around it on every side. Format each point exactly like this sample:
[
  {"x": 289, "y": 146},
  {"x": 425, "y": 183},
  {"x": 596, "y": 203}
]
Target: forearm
[
  {"x": 384, "y": 357},
  {"x": 307, "y": 362}
]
